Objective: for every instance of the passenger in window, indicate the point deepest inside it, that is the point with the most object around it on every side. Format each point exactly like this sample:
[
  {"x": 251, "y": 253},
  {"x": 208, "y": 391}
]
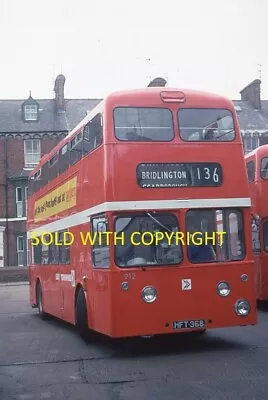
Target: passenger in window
[
  {"x": 203, "y": 252},
  {"x": 211, "y": 133}
]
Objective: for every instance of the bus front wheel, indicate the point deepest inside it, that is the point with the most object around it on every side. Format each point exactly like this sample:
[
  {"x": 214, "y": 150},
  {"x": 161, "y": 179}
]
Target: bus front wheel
[
  {"x": 81, "y": 316},
  {"x": 39, "y": 300}
]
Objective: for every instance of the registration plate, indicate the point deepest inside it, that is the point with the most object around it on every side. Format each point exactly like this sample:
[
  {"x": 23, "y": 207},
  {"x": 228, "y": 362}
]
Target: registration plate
[{"x": 189, "y": 324}]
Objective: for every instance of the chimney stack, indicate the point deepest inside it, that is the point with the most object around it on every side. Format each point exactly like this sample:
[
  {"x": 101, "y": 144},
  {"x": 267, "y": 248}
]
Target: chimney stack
[
  {"x": 252, "y": 93},
  {"x": 158, "y": 82},
  {"x": 59, "y": 92}
]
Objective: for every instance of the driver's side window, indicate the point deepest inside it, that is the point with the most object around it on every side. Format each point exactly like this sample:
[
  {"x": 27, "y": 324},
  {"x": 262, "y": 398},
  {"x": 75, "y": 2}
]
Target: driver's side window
[{"x": 101, "y": 240}]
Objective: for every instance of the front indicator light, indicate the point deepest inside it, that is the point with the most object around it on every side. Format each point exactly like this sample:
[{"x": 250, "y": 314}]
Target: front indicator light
[
  {"x": 124, "y": 286},
  {"x": 149, "y": 294},
  {"x": 244, "y": 277},
  {"x": 242, "y": 308},
  {"x": 223, "y": 289}
]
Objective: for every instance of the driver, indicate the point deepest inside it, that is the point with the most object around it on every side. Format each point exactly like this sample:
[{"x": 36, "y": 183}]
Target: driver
[{"x": 199, "y": 253}]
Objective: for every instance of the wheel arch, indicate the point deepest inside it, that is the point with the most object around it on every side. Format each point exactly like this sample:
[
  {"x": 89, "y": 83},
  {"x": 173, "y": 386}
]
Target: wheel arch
[{"x": 78, "y": 287}]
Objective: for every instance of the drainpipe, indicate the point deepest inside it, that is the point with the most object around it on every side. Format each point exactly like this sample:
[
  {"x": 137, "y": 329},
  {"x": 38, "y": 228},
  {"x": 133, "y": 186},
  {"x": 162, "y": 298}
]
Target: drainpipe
[{"x": 6, "y": 198}]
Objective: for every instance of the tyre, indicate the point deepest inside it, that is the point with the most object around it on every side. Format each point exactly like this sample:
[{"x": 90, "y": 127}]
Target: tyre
[
  {"x": 39, "y": 300},
  {"x": 81, "y": 316},
  {"x": 262, "y": 305}
]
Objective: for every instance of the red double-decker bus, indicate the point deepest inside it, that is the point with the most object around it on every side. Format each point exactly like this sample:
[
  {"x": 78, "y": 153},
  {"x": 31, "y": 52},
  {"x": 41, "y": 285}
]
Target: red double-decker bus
[
  {"x": 154, "y": 167},
  {"x": 257, "y": 170}
]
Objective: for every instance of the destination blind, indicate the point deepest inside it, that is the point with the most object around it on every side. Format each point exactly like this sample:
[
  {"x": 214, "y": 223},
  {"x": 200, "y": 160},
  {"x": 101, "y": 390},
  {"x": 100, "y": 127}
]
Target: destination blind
[{"x": 162, "y": 175}]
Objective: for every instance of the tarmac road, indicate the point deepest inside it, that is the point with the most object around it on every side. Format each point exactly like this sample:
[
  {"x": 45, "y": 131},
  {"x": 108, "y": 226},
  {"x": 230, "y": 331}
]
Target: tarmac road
[{"x": 47, "y": 360}]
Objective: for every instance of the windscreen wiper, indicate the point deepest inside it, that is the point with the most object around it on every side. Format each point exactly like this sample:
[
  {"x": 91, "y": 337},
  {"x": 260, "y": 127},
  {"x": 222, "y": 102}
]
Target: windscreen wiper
[{"x": 159, "y": 223}]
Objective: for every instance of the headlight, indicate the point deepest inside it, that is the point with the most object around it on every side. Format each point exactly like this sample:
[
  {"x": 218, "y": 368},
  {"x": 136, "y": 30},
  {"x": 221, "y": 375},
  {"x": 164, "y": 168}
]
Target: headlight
[
  {"x": 242, "y": 308},
  {"x": 223, "y": 289},
  {"x": 149, "y": 294}
]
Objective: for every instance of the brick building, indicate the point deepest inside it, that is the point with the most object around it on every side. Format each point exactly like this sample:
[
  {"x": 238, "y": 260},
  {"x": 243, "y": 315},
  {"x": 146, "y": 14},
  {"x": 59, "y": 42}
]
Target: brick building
[{"x": 28, "y": 129}]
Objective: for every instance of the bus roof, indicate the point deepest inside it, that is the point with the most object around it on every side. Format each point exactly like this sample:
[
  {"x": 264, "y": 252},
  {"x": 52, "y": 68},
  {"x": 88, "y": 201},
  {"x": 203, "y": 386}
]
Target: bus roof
[
  {"x": 148, "y": 94},
  {"x": 152, "y": 92},
  {"x": 260, "y": 151}
]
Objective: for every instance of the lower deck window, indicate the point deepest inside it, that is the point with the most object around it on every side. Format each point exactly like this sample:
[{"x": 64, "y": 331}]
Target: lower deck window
[
  {"x": 215, "y": 235},
  {"x": 51, "y": 249},
  {"x": 139, "y": 245}
]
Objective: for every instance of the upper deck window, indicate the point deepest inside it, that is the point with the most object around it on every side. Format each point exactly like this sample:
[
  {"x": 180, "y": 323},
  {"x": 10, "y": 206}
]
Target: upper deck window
[
  {"x": 264, "y": 168},
  {"x": 143, "y": 124},
  {"x": 210, "y": 125},
  {"x": 93, "y": 134}
]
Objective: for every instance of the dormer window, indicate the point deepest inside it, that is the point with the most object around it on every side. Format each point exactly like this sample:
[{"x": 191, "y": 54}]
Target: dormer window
[
  {"x": 30, "y": 113},
  {"x": 30, "y": 109}
]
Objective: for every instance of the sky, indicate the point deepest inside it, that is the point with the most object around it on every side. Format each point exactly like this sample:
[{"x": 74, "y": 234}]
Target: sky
[{"x": 103, "y": 46}]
